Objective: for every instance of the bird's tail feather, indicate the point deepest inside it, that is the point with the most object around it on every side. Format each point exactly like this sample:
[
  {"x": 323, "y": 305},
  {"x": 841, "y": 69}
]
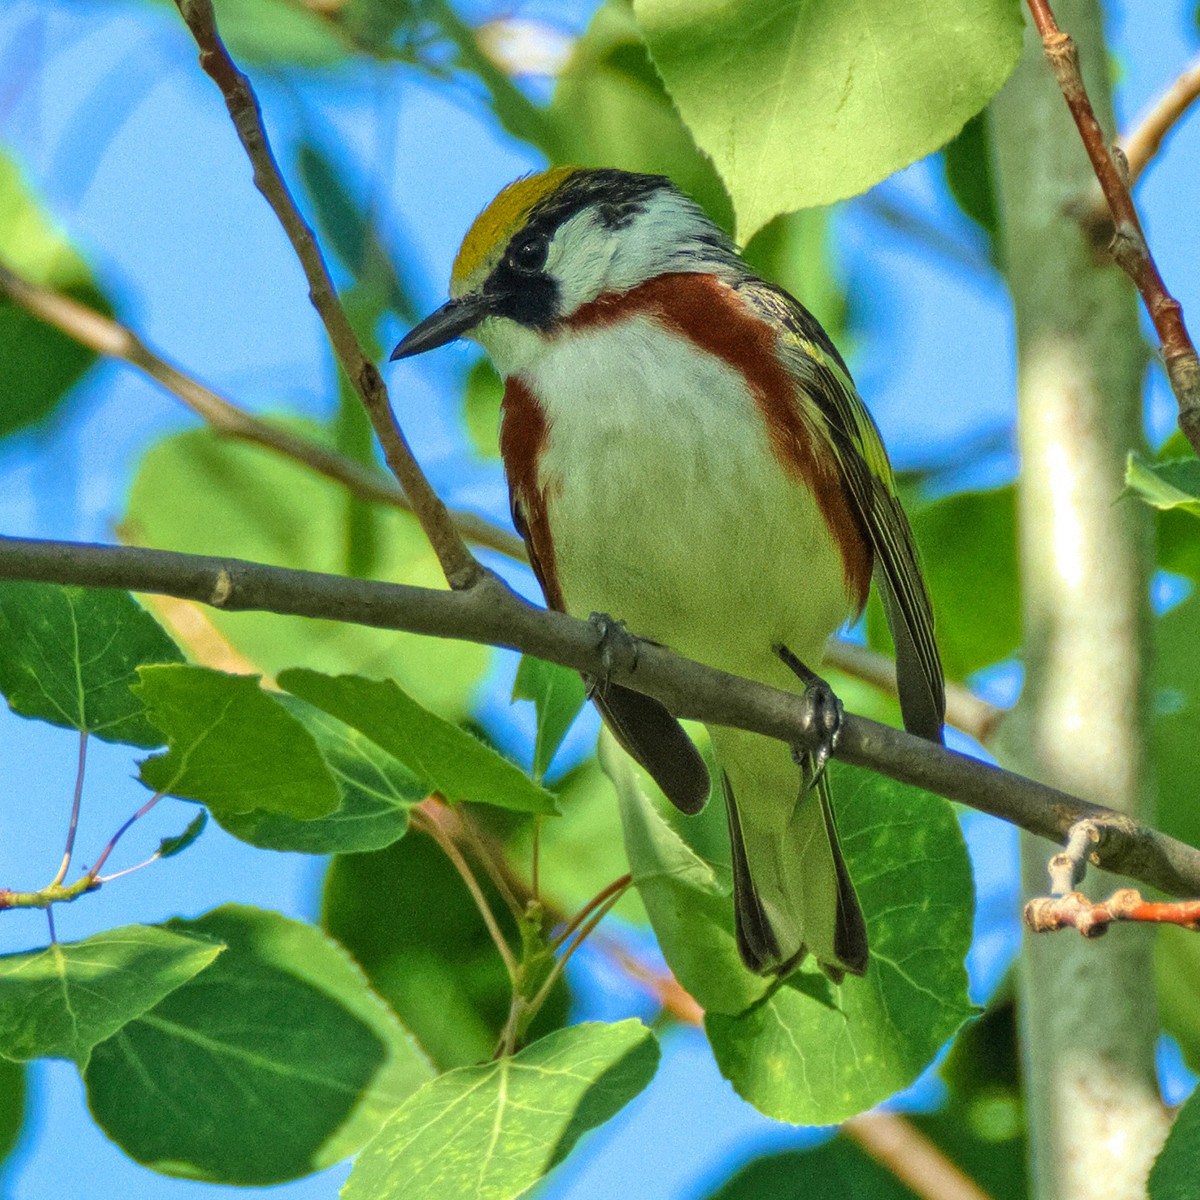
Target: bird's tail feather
[{"x": 792, "y": 892}]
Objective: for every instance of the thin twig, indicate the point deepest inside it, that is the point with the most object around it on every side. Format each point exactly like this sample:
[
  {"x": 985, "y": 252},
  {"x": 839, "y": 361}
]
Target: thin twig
[
  {"x": 1129, "y": 247},
  {"x": 456, "y": 826},
  {"x": 76, "y": 802},
  {"x": 458, "y": 564},
  {"x": 580, "y": 937},
  {"x": 114, "y": 340},
  {"x": 93, "y": 872},
  {"x": 617, "y": 887},
  {"x": 429, "y": 825},
  {"x": 1068, "y": 866},
  {"x": 898, "y": 1145},
  {"x": 1045, "y": 914},
  {"x": 964, "y": 710},
  {"x": 1142, "y": 143},
  {"x": 491, "y": 614}
]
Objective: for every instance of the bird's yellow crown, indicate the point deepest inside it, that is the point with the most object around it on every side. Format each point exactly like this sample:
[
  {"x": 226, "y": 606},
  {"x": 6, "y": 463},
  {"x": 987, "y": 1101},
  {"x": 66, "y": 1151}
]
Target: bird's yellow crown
[{"x": 493, "y": 228}]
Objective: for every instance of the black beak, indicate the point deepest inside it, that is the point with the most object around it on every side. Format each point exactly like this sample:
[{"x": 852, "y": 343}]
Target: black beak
[{"x": 447, "y": 323}]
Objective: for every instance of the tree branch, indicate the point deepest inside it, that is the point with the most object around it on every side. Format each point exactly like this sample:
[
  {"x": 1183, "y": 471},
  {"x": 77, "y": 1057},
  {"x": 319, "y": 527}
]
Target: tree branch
[
  {"x": 1142, "y": 143},
  {"x": 458, "y": 564},
  {"x": 114, "y": 340},
  {"x": 1129, "y": 247},
  {"x": 491, "y": 614}
]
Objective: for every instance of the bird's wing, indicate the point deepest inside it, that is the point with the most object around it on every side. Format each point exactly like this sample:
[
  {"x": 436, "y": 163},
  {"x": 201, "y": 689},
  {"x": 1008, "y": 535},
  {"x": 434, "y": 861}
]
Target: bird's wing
[{"x": 839, "y": 415}]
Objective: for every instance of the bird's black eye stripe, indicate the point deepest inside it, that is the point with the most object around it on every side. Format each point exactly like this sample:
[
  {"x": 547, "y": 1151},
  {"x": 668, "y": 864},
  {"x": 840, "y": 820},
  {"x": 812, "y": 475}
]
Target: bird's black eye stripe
[{"x": 527, "y": 253}]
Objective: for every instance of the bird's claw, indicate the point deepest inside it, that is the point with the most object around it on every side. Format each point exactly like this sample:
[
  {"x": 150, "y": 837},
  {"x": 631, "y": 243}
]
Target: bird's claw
[
  {"x": 618, "y": 650},
  {"x": 823, "y": 717}
]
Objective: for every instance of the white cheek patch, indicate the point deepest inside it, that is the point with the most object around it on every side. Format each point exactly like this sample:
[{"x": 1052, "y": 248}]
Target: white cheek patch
[
  {"x": 671, "y": 233},
  {"x": 580, "y": 259}
]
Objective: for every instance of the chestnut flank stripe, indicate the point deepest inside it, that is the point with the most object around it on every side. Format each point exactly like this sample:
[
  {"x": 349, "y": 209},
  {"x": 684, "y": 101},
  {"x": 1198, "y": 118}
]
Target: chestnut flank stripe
[{"x": 708, "y": 311}]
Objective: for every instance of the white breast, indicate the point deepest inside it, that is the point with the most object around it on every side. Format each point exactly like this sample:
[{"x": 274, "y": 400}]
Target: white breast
[{"x": 668, "y": 509}]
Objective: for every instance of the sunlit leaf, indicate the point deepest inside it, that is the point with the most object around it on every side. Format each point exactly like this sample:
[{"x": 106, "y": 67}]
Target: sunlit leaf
[
  {"x": 1164, "y": 485},
  {"x": 815, "y": 1053},
  {"x": 61, "y": 1001},
  {"x": 492, "y": 1131},
  {"x": 201, "y": 494},
  {"x": 68, "y": 655},
  {"x": 276, "y": 1062},
  {"x": 615, "y": 112},
  {"x": 376, "y": 794},
  {"x": 1176, "y": 699},
  {"x": 801, "y": 105},
  {"x": 231, "y": 746},
  {"x": 445, "y": 758}
]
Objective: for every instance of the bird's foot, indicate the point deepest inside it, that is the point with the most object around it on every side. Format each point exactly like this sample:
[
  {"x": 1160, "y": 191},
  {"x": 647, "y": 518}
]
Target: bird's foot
[
  {"x": 823, "y": 715},
  {"x": 618, "y": 650}
]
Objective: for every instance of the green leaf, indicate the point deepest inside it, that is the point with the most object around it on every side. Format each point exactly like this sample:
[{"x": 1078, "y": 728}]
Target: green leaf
[
  {"x": 832, "y": 1171},
  {"x": 205, "y": 495},
  {"x": 968, "y": 162},
  {"x": 481, "y": 407},
  {"x": 798, "y": 1058},
  {"x": 276, "y": 1062},
  {"x": 12, "y": 1107},
  {"x": 492, "y": 1131},
  {"x": 801, "y": 105},
  {"x": 613, "y": 111},
  {"x": 445, "y": 758},
  {"x": 376, "y": 794},
  {"x": 170, "y": 846},
  {"x": 1177, "y": 971},
  {"x": 1176, "y": 683},
  {"x": 558, "y": 695},
  {"x": 1165, "y": 485},
  {"x": 968, "y": 547},
  {"x": 689, "y": 907},
  {"x": 1175, "y": 1171},
  {"x": 405, "y": 915},
  {"x": 61, "y": 1001},
  {"x": 39, "y": 365},
  {"x": 232, "y": 747},
  {"x": 68, "y": 656}
]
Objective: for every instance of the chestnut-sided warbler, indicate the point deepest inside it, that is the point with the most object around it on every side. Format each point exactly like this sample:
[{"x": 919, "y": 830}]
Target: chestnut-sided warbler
[{"x": 685, "y": 451}]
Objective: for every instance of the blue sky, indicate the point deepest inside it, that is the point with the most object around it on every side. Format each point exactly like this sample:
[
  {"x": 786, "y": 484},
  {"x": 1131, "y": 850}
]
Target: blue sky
[{"x": 104, "y": 106}]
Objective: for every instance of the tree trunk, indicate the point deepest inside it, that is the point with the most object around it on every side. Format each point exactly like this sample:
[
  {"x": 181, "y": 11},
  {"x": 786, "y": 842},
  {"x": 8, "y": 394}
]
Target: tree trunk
[{"x": 1088, "y": 1011}]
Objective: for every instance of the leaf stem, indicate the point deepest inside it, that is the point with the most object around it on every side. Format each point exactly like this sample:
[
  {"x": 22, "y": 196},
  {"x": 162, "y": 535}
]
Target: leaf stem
[
  {"x": 617, "y": 887},
  {"x": 94, "y": 872},
  {"x": 73, "y": 826},
  {"x": 430, "y": 826}
]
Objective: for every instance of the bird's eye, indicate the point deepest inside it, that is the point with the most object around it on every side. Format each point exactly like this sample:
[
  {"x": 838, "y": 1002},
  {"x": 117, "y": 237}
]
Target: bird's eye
[{"x": 529, "y": 253}]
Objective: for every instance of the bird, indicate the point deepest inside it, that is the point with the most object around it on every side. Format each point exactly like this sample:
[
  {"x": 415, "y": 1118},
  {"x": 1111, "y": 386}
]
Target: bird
[{"x": 687, "y": 456}]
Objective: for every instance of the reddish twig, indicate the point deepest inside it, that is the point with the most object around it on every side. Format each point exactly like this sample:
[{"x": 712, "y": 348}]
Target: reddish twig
[
  {"x": 1045, "y": 914},
  {"x": 458, "y": 564},
  {"x": 1129, "y": 247}
]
